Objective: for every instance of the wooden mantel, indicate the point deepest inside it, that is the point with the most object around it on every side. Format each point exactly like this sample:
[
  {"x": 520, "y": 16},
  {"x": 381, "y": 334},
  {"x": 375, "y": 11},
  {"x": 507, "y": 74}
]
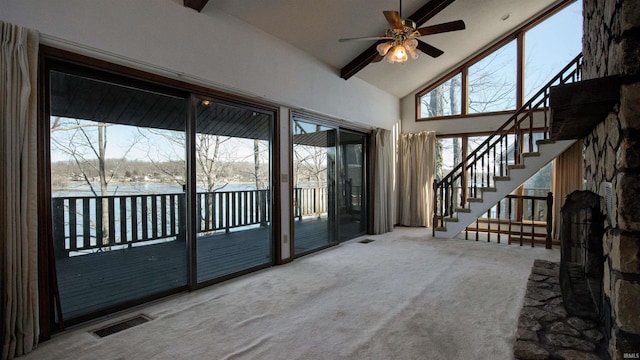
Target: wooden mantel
[{"x": 578, "y": 107}]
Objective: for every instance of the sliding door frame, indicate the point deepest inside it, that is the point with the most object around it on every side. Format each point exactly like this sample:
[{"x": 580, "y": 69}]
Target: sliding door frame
[
  {"x": 338, "y": 125},
  {"x": 51, "y": 58}
]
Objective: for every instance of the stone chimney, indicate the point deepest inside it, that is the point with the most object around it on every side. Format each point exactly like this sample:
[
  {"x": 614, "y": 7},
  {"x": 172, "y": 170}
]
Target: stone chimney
[{"x": 611, "y": 46}]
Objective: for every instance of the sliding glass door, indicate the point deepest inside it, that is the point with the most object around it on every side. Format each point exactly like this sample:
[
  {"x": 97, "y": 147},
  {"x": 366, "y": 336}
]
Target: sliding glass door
[
  {"x": 153, "y": 190},
  {"x": 352, "y": 200},
  {"x": 118, "y": 171},
  {"x": 233, "y": 197},
  {"x": 314, "y": 169},
  {"x": 330, "y": 184}
]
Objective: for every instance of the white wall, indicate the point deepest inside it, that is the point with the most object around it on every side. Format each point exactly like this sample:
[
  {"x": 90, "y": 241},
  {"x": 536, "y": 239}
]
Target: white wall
[{"x": 216, "y": 48}]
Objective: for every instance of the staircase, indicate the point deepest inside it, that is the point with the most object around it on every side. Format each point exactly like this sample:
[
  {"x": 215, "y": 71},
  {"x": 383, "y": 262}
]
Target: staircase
[{"x": 505, "y": 160}]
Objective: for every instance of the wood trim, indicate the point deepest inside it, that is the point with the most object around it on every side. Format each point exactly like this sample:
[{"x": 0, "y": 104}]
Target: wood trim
[
  {"x": 482, "y": 133},
  {"x": 429, "y": 10},
  {"x": 492, "y": 113},
  {"x": 191, "y": 172},
  {"x": 422, "y": 15},
  {"x": 491, "y": 48},
  {"x": 464, "y": 88},
  {"x": 371, "y": 179},
  {"x": 520, "y": 70},
  {"x": 276, "y": 183},
  {"x": 360, "y": 62},
  {"x": 196, "y": 5},
  {"x": 292, "y": 249}
]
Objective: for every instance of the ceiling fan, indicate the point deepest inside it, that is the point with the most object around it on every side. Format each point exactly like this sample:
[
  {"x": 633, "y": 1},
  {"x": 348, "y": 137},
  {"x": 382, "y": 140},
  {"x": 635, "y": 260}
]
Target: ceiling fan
[{"x": 403, "y": 38}]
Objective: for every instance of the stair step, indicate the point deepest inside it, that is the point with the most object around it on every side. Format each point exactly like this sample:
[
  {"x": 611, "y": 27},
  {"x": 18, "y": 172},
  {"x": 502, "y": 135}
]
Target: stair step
[
  {"x": 501, "y": 178},
  {"x": 489, "y": 189},
  {"x": 441, "y": 228},
  {"x": 531, "y": 154},
  {"x": 450, "y": 219},
  {"x": 463, "y": 210},
  {"x": 545, "y": 141},
  {"x": 474, "y": 200},
  {"x": 515, "y": 166}
]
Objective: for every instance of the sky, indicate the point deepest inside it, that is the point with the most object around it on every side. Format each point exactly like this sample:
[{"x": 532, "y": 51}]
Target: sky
[
  {"x": 549, "y": 46},
  {"x": 143, "y": 144}
]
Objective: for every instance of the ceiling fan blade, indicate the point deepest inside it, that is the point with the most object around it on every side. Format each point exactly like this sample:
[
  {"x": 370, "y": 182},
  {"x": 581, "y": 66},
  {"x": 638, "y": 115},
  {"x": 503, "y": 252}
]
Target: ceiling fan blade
[
  {"x": 366, "y": 38},
  {"x": 378, "y": 58},
  {"x": 428, "y": 49},
  {"x": 394, "y": 20},
  {"x": 442, "y": 28}
]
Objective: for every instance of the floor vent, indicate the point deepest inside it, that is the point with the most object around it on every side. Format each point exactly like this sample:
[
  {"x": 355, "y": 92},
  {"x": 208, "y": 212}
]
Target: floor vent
[
  {"x": 366, "y": 241},
  {"x": 122, "y": 325}
]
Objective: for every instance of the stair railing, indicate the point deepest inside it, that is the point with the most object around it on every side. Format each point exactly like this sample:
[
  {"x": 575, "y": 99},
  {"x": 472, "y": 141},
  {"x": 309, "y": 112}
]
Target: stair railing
[{"x": 501, "y": 151}]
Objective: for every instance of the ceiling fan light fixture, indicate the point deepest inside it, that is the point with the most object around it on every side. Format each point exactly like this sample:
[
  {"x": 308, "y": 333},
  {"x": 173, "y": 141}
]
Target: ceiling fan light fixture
[
  {"x": 384, "y": 48},
  {"x": 411, "y": 45},
  {"x": 397, "y": 54}
]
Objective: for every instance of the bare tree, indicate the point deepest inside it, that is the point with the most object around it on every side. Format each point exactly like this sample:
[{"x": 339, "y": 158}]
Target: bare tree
[
  {"x": 85, "y": 142},
  {"x": 208, "y": 158},
  {"x": 310, "y": 163}
]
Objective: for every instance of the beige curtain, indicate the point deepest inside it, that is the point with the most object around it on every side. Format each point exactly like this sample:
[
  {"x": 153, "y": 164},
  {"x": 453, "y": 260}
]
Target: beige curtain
[
  {"x": 416, "y": 165},
  {"x": 18, "y": 183},
  {"x": 567, "y": 177},
  {"x": 383, "y": 192}
]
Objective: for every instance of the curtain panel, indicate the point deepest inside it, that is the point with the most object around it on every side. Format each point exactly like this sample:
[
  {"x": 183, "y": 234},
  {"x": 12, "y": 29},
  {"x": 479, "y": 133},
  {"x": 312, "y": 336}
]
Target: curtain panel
[
  {"x": 383, "y": 192},
  {"x": 416, "y": 167},
  {"x": 567, "y": 178},
  {"x": 19, "y": 329}
]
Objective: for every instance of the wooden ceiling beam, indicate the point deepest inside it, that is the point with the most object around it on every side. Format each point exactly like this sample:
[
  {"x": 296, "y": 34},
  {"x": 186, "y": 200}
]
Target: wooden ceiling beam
[
  {"x": 196, "y": 5},
  {"x": 421, "y": 16}
]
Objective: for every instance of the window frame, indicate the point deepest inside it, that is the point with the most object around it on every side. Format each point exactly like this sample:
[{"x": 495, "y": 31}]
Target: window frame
[{"x": 519, "y": 36}]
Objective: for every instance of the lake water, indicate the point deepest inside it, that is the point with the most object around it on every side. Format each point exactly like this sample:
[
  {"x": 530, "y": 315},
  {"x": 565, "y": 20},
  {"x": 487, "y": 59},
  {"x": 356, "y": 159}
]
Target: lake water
[{"x": 80, "y": 188}]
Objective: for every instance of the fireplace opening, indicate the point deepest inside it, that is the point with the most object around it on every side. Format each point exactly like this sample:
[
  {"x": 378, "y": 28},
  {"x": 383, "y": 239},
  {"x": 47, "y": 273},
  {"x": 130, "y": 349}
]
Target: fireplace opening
[{"x": 582, "y": 258}]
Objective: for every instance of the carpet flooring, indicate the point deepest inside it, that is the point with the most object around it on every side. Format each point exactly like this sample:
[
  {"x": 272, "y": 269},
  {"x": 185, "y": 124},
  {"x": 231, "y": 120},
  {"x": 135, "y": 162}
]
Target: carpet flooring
[{"x": 403, "y": 296}]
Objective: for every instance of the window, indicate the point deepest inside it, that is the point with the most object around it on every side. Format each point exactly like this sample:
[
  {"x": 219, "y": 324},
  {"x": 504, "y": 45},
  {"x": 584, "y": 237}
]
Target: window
[
  {"x": 443, "y": 100},
  {"x": 492, "y": 81},
  {"x": 548, "y": 50},
  {"x": 448, "y": 155}
]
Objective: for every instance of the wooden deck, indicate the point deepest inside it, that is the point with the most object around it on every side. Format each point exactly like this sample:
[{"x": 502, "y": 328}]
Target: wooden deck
[{"x": 102, "y": 280}]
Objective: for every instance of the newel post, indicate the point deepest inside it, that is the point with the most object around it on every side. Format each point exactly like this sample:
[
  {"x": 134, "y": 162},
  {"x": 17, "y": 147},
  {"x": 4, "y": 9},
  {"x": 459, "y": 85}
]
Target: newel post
[
  {"x": 549, "y": 219},
  {"x": 435, "y": 208}
]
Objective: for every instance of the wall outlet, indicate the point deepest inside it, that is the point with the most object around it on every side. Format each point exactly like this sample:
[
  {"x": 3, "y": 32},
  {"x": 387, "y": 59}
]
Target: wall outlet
[{"x": 285, "y": 238}]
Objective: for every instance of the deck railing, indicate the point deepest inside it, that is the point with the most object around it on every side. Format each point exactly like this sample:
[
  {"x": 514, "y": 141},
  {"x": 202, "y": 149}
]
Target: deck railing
[
  {"x": 523, "y": 219},
  {"x": 309, "y": 201},
  {"x": 100, "y": 223}
]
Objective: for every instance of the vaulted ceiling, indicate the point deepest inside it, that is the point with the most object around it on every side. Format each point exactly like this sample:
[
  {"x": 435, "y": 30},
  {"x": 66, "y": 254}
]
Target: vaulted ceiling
[{"x": 315, "y": 26}]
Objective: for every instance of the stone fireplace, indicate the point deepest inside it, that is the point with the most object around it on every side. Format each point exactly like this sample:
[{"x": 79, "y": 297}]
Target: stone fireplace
[
  {"x": 582, "y": 260},
  {"x": 611, "y": 46}
]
